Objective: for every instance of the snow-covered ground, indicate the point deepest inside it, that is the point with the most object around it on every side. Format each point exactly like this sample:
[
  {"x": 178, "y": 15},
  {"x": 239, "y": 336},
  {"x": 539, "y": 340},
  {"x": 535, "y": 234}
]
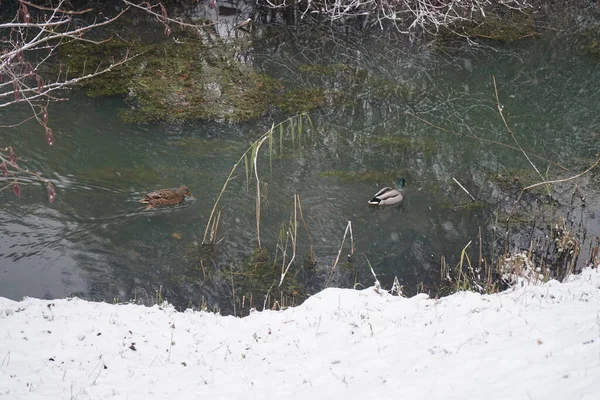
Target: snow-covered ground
[{"x": 535, "y": 342}]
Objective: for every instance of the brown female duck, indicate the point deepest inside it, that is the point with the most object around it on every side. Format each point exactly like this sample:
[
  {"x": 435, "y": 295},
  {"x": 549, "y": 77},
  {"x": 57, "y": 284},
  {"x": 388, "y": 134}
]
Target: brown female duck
[{"x": 164, "y": 197}]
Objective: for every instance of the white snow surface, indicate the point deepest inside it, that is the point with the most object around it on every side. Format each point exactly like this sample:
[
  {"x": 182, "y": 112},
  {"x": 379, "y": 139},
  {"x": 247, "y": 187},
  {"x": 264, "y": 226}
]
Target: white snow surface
[{"x": 533, "y": 342}]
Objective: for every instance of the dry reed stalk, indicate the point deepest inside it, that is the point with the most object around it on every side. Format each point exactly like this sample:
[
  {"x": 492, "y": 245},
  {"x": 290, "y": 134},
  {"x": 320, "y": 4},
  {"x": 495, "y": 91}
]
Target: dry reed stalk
[
  {"x": 337, "y": 258},
  {"x": 312, "y": 256},
  {"x": 267, "y": 296},
  {"x": 499, "y": 107},
  {"x": 480, "y": 250},
  {"x": 593, "y": 259},
  {"x": 293, "y": 234},
  {"x": 214, "y": 227},
  {"x": 257, "y": 148},
  {"x": 212, "y": 212},
  {"x": 233, "y": 292},
  {"x": 396, "y": 288},
  {"x": 253, "y": 152},
  {"x": 377, "y": 284},
  {"x": 285, "y": 247},
  {"x": 444, "y": 269},
  {"x": 203, "y": 269},
  {"x": 459, "y": 267},
  {"x": 463, "y": 188}
]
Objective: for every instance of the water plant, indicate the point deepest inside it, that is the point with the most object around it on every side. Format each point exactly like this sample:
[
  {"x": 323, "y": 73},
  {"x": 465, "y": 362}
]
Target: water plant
[{"x": 292, "y": 126}]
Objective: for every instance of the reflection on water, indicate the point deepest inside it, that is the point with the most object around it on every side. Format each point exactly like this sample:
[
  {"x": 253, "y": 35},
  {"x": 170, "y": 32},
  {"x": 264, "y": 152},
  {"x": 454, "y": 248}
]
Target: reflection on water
[{"x": 422, "y": 119}]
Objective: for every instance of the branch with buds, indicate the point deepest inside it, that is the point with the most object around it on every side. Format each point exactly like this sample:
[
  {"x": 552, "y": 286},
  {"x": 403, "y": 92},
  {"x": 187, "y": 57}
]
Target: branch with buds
[
  {"x": 27, "y": 42},
  {"x": 10, "y": 170}
]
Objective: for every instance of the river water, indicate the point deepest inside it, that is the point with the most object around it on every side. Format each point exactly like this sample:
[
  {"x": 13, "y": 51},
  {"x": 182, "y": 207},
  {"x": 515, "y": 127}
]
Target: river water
[{"x": 423, "y": 112}]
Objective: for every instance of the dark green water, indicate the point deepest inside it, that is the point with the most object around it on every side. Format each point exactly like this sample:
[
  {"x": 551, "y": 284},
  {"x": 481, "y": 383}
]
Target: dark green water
[{"x": 97, "y": 242}]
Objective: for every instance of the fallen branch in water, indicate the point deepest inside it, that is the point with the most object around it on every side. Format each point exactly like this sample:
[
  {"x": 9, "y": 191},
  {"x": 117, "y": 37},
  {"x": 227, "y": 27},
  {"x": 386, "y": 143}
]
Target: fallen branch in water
[
  {"x": 563, "y": 180},
  {"x": 463, "y": 188},
  {"x": 550, "y": 183},
  {"x": 511, "y": 134}
]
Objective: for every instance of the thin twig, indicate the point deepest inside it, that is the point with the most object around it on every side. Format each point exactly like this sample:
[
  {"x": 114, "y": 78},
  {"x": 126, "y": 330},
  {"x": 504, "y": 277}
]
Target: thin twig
[
  {"x": 463, "y": 188},
  {"x": 499, "y": 107},
  {"x": 163, "y": 18},
  {"x": 550, "y": 183},
  {"x": 312, "y": 256},
  {"x": 293, "y": 234},
  {"x": 337, "y": 259},
  {"x": 563, "y": 180}
]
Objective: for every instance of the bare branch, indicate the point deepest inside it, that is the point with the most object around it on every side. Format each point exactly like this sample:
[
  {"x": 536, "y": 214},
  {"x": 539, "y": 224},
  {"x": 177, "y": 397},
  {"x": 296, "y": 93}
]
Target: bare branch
[
  {"x": 62, "y": 11},
  {"x": 406, "y": 15},
  {"x": 163, "y": 18},
  {"x": 28, "y": 42}
]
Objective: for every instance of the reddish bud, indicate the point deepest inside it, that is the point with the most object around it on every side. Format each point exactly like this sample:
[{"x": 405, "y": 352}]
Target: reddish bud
[
  {"x": 27, "y": 69},
  {"x": 163, "y": 10},
  {"x": 16, "y": 189},
  {"x": 49, "y": 136},
  {"x": 45, "y": 115},
  {"x": 25, "y": 14},
  {"x": 4, "y": 169},
  {"x": 40, "y": 83},
  {"x": 167, "y": 30},
  {"x": 12, "y": 156},
  {"x": 51, "y": 193}
]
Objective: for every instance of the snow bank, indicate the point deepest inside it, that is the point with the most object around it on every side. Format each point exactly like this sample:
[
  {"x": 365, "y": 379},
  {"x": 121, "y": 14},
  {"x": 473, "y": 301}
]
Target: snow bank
[{"x": 535, "y": 342}]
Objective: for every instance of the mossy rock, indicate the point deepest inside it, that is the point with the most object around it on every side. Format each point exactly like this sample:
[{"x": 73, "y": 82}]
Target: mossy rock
[
  {"x": 171, "y": 80},
  {"x": 191, "y": 81},
  {"x": 189, "y": 77},
  {"x": 79, "y": 58}
]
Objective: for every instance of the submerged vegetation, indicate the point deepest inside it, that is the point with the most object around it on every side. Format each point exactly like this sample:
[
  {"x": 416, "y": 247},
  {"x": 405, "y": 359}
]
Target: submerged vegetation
[
  {"x": 372, "y": 105},
  {"x": 176, "y": 80},
  {"x": 553, "y": 254},
  {"x": 503, "y": 25},
  {"x": 201, "y": 78}
]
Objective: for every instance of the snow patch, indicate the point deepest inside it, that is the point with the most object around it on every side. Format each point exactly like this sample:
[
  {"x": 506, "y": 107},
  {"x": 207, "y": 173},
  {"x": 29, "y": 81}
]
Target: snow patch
[{"x": 531, "y": 342}]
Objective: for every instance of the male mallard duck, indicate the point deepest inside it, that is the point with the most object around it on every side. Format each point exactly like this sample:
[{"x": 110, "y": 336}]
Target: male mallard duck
[
  {"x": 166, "y": 197},
  {"x": 388, "y": 196}
]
